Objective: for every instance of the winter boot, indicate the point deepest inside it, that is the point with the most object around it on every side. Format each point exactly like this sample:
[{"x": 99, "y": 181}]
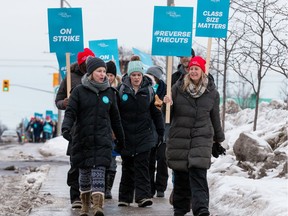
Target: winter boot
[
  {"x": 109, "y": 180},
  {"x": 85, "y": 199},
  {"x": 98, "y": 202}
]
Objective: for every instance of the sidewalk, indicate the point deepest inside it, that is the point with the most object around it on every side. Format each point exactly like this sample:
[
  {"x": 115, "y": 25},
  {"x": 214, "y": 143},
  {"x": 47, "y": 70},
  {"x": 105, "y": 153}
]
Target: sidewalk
[{"x": 56, "y": 190}]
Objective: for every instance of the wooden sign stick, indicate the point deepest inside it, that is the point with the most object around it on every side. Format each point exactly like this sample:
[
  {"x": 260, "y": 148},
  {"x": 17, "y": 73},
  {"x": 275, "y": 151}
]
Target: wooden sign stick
[{"x": 68, "y": 74}]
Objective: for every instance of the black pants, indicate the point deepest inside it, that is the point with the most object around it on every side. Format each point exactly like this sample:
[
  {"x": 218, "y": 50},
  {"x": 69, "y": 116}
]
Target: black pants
[
  {"x": 191, "y": 188},
  {"x": 73, "y": 183},
  {"x": 158, "y": 163},
  {"x": 135, "y": 176}
]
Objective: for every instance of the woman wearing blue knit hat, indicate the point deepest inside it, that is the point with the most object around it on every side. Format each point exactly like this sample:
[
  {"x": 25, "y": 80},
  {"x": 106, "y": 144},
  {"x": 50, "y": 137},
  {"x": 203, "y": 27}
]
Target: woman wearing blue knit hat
[{"x": 138, "y": 111}]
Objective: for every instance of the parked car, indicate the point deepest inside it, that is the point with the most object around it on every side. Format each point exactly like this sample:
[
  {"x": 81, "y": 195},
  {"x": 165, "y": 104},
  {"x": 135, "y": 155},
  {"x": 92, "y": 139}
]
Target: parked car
[{"x": 9, "y": 136}]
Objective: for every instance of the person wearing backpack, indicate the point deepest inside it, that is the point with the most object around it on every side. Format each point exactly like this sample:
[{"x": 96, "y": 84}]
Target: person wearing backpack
[{"x": 138, "y": 112}]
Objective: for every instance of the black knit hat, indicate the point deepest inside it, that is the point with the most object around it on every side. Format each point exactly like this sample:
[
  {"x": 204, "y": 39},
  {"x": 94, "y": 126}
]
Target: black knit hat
[
  {"x": 93, "y": 63},
  {"x": 111, "y": 68}
]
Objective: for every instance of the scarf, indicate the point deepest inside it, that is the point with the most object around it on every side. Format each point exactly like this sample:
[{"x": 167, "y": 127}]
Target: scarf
[
  {"x": 197, "y": 90},
  {"x": 93, "y": 85}
]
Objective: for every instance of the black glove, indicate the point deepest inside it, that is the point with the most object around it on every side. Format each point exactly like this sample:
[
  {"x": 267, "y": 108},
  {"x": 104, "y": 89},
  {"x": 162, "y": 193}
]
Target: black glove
[
  {"x": 160, "y": 141},
  {"x": 66, "y": 134},
  {"x": 217, "y": 150},
  {"x": 119, "y": 146}
]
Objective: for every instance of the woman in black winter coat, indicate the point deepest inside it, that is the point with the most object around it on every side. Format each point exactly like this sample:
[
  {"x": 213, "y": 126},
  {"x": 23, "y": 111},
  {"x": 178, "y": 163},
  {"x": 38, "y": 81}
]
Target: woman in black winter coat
[
  {"x": 137, "y": 111},
  {"x": 93, "y": 107},
  {"x": 195, "y": 125}
]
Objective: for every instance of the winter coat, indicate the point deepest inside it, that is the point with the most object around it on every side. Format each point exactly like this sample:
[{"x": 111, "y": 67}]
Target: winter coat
[
  {"x": 137, "y": 113},
  {"x": 94, "y": 115},
  {"x": 195, "y": 124},
  {"x": 76, "y": 76}
]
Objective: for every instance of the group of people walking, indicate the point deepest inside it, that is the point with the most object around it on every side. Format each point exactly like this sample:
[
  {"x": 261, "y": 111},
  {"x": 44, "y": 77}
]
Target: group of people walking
[
  {"x": 40, "y": 130},
  {"x": 107, "y": 115}
]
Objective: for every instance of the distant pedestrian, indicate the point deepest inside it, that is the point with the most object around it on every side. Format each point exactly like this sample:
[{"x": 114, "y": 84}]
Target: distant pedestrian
[
  {"x": 195, "y": 125},
  {"x": 37, "y": 127},
  {"x": 77, "y": 69},
  {"x": 47, "y": 129},
  {"x": 92, "y": 107},
  {"x": 138, "y": 111}
]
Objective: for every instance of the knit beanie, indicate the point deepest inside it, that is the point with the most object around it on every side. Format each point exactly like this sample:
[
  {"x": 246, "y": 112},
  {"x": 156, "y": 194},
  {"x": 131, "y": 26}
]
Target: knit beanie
[
  {"x": 82, "y": 56},
  {"x": 111, "y": 68},
  {"x": 93, "y": 63},
  {"x": 156, "y": 71},
  {"x": 198, "y": 61},
  {"x": 135, "y": 65}
]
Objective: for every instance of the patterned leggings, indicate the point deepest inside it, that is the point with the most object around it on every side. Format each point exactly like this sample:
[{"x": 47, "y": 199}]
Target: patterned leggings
[{"x": 92, "y": 179}]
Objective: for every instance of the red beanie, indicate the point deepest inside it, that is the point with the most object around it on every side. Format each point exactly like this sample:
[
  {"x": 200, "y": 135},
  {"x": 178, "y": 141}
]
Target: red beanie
[
  {"x": 198, "y": 61},
  {"x": 82, "y": 56}
]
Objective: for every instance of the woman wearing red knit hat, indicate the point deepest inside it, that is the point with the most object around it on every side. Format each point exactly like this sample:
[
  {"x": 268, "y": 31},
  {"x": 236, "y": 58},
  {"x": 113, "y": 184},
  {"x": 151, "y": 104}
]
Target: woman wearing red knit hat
[{"x": 195, "y": 125}]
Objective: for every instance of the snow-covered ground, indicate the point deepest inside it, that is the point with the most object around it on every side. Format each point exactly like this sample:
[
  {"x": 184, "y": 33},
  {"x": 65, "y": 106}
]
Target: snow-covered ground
[{"x": 234, "y": 190}]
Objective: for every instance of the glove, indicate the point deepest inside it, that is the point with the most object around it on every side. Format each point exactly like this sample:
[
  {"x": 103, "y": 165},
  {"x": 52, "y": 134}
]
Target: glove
[
  {"x": 66, "y": 134},
  {"x": 217, "y": 150},
  {"x": 160, "y": 141}
]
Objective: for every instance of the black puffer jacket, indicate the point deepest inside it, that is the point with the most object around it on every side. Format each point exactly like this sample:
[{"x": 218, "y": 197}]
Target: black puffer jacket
[
  {"x": 195, "y": 123},
  {"x": 137, "y": 113},
  {"x": 94, "y": 114}
]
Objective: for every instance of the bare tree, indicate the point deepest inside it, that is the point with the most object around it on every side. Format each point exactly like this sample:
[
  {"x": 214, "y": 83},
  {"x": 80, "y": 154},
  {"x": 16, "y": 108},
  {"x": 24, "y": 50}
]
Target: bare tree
[
  {"x": 260, "y": 44},
  {"x": 226, "y": 47}
]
